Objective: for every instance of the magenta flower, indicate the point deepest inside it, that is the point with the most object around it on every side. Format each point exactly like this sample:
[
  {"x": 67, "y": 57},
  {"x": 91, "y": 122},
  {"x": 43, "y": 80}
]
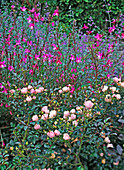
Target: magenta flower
[
  {"x": 29, "y": 19},
  {"x": 31, "y": 25},
  {"x": 56, "y": 12},
  {"x": 78, "y": 60},
  {"x": 2, "y": 64},
  {"x": 98, "y": 37},
  {"x": 13, "y": 6},
  {"x": 10, "y": 68},
  {"x": 85, "y": 27},
  {"x": 23, "y": 8},
  {"x": 32, "y": 10}
]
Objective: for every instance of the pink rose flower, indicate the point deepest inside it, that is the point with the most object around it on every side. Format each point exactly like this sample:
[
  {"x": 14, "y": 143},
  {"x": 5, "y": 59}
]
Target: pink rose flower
[
  {"x": 32, "y": 91},
  {"x": 73, "y": 116},
  {"x": 66, "y": 136},
  {"x": 51, "y": 134},
  {"x": 36, "y": 126},
  {"x": 116, "y": 79},
  {"x": 38, "y": 91},
  {"x": 88, "y": 104},
  {"x": 107, "y": 140},
  {"x": 66, "y": 113},
  {"x": 12, "y": 91},
  {"x": 44, "y": 116},
  {"x": 65, "y": 89},
  {"x": 52, "y": 114},
  {"x": 72, "y": 111},
  {"x": 118, "y": 96},
  {"x": 44, "y": 108},
  {"x": 41, "y": 89},
  {"x": 35, "y": 118},
  {"x": 29, "y": 87},
  {"x": 122, "y": 84},
  {"x": 56, "y": 132},
  {"x": 75, "y": 123},
  {"x": 110, "y": 145},
  {"x": 34, "y": 97},
  {"x": 24, "y": 90},
  {"x": 105, "y": 88},
  {"x": 28, "y": 99},
  {"x": 60, "y": 91},
  {"x": 108, "y": 98}
]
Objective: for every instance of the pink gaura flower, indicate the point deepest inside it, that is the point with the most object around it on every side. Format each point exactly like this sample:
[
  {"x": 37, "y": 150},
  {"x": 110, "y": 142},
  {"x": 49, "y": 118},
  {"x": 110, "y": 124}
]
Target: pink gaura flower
[
  {"x": 52, "y": 114},
  {"x": 75, "y": 123},
  {"x": 36, "y": 126},
  {"x": 66, "y": 113},
  {"x": 66, "y": 136},
  {"x": 73, "y": 116},
  {"x": 88, "y": 104}
]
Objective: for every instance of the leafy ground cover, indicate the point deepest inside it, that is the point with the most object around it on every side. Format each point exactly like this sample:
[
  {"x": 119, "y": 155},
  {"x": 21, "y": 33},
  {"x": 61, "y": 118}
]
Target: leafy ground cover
[{"x": 62, "y": 93}]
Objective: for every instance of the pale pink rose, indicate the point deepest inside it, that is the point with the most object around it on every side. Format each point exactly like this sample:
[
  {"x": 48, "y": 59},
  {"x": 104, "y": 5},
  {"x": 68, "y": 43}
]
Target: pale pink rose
[
  {"x": 75, "y": 123},
  {"x": 105, "y": 88},
  {"x": 12, "y": 91},
  {"x": 113, "y": 89},
  {"x": 44, "y": 116},
  {"x": 65, "y": 89},
  {"x": 36, "y": 126},
  {"x": 66, "y": 136},
  {"x": 72, "y": 111},
  {"x": 28, "y": 99},
  {"x": 34, "y": 97},
  {"x": 66, "y": 113},
  {"x": 38, "y": 91},
  {"x": 109, "y": 145},
  {"x": 101, "y": 154},
  {"x": 78, "y": 108},
  {"x": 24, "y": 90},
  {"x": 60, "y": 91},
  {"x": 108, "y": 98},
  {"x": 29, "y": 87},
  {"x": 116, "y": 163},
  {"x": 51, "y": 134},
  {"x": 88, "y": 104},
  {"x": 115, "y": 79},
  {"x": 47, "y": 111},
  {"x": 41, "y": 88},
  {"x": 44, "y": 108},
  {"x": 52, "y": 114},
  {"x": 73, "y": 116},
  {"x": 32, "y": 91},
  {"x": 122, "y": 84},
  {"x": 118, "y": 96},
  {"x": 56, "y": 132},
  {"x": 107, "y": 140},
  {"x": 35, "y": 118}
]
